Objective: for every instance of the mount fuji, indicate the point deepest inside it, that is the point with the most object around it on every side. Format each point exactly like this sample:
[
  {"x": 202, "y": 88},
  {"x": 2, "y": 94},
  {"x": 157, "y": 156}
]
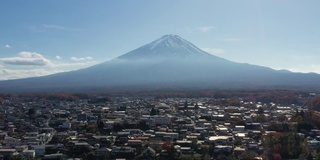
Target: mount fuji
[{"x": 168, "y": 62}]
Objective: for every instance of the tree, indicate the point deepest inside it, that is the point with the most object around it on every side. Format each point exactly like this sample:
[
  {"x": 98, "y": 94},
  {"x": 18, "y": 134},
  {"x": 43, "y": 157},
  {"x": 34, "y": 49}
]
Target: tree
[
  {"x": 248, "y": 155},
  {"x": 153, "y": 112},
  {"x": 118, "y": 127},
  {"x": 277, "y": 156},
  {"x": 261, "y": 118},
  {"x": 91, "y": 128},
  {"x": 186, "y": 104},
  {"x": 143, "y": 126},
  {"x": 211, "y": 149},
  {"x": 185, "y": 157},
  {"x": 31, "y": 112},
  {"x": 166, "y": 146},
  {"x": 196, "y": 106},
  {"x": 309, "y": 157},
  {"x": 89, "y": 156},
  {"x": 302, "y": 125},
  {"x": 100, "y": 124},
  {"x": 204, "y": 149},
  {"x": 17, "y": 157},
  {"x": 306, "y": 149},
  {"x": 293, "y": 146},
  {"x": 314, "y": 103},
  {"x": 287, "y": 145},
  {"x": 260, "y": 110},
  {"x": 196, "y": 157},
  {"x": 301, "y": 114},
  {"x": 222, "y": 157}
]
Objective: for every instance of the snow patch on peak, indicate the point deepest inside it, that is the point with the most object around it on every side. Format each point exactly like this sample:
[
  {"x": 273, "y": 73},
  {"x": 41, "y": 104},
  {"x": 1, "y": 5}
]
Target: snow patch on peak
[
  {"x": 166, "y": 40},
  {"x": 173, "y": 41},
  {"x": 168, "y": 46}
]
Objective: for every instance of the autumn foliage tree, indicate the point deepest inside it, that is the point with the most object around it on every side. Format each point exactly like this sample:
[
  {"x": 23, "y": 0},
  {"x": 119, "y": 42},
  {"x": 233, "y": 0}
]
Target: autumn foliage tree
[
  {"x": 284, "y": 146},
  {"x": 314, "y": 103}
]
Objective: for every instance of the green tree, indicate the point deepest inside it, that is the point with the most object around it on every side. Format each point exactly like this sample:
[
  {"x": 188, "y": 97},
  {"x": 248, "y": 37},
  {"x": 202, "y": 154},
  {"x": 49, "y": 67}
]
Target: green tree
[
  {"x": 185, "y": 157},
  {"x": 204, "y": 149},
  {"x": 248, "y": 155},
  {"x": 293, "y": 146},
  {"x": 89, "y": 156},
  {"x": 91, "y": 128},
  {"x": 31, "y": 112},
  {"x": 260, "y": 110},
  {"x": 211, "y": 149},
  {"x": 196, "y": 157},
  {"x": 17, "y": 157},
  {"x": 153, "y": 112},
  {"x": 305, "y": 147},
  {"x": 100, "y": 124}
]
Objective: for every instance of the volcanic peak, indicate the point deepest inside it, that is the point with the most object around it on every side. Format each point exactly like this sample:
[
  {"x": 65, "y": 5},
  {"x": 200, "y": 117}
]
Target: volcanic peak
[
  {"x": 168, "y": 41},
  {"x": 168, "y": 46}
]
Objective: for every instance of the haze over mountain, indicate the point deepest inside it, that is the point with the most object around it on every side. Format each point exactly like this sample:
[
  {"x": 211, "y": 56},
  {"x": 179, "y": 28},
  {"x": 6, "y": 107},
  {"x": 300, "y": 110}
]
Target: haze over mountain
[{"x": 169, "y": 61}]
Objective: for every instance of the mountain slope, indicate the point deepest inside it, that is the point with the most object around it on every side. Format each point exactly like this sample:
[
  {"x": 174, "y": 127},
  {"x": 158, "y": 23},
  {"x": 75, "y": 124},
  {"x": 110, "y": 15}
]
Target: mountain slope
[{"x": 167, "y": 62}]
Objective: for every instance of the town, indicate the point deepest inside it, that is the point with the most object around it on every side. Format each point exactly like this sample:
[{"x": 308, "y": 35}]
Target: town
[{"x": 156, "y": 128}]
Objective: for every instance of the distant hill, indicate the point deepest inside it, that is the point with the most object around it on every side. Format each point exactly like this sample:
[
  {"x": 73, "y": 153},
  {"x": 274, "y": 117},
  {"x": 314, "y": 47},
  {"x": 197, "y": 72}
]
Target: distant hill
[{"x": 168, "y": 62}]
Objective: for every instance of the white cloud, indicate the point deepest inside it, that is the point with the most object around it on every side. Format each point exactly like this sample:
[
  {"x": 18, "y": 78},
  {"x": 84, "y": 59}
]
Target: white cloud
[
  {"x": 57, "y": 27},
  {"x": 6, "y": 74},
  {"x": 7, "y": 46},
  {"x": 36, "y": 71},
  {"x": 32, "y": 64},
  {"x": 205, "y": 29},
  {"x": 46, "y": 27},
  {"x": 58, "y": 57},
  {"x": 51, "y": 26},
  {"x": 81, "y": 58},
  {"x": 75, "y": 65},
  {"x": 27, "y": 58},
  {"x": 214, "y": 51},
  {"x": 233, "y": 39}
]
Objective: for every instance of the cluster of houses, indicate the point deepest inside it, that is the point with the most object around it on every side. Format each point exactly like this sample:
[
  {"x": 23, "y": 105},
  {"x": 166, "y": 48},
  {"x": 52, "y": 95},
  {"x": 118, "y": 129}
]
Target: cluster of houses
[{"x": 137, "y": 128}]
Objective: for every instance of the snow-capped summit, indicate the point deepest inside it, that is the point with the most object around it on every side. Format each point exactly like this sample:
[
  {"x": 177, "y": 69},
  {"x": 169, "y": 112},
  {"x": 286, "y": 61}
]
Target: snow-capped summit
[{"x": 168, "y": 46}]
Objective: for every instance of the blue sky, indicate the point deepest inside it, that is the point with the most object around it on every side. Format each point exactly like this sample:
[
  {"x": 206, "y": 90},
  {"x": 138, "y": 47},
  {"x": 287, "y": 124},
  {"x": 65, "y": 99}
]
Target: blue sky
[{"x": 44, "y": 37}]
